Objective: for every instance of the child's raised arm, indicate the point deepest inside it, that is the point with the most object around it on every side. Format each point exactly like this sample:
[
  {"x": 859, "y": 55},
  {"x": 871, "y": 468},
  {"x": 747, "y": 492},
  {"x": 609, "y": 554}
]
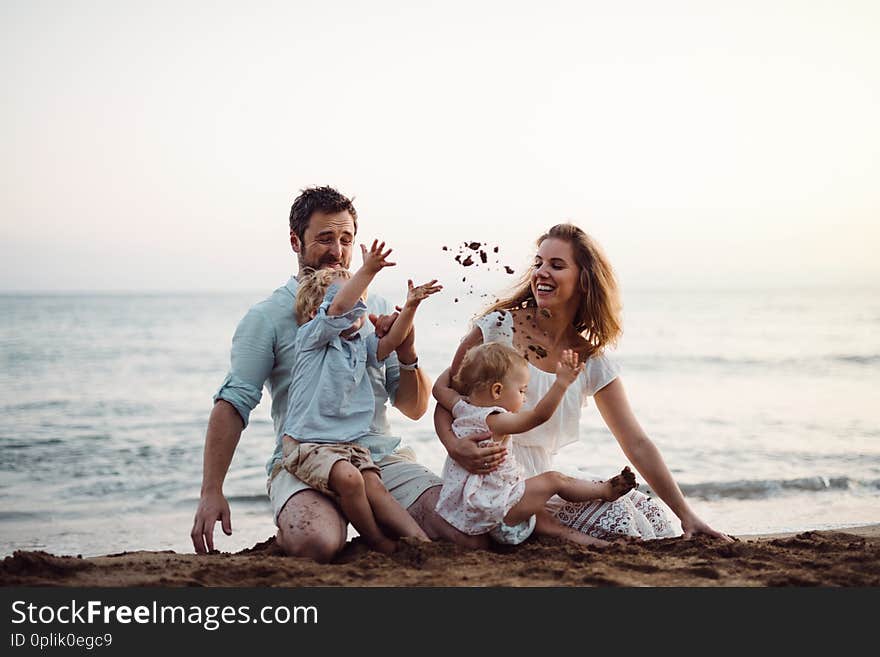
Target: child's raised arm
[
  {"x": 404, "y": 322},
  {"x": 443, "y": 392},
  {"x": 354, "y": 288},
  {"x": 567, "y": 370}
]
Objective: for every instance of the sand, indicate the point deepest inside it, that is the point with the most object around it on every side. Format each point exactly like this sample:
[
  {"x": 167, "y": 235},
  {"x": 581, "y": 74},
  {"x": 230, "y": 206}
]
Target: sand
[{"x": 849, "y": 557}]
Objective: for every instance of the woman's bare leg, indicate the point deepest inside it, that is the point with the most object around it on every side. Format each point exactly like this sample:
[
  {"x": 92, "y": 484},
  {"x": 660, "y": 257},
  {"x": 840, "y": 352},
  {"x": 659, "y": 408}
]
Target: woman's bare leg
[{"x": 547, "y": 525}]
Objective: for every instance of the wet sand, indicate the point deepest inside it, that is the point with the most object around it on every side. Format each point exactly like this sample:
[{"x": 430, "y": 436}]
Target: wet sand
[{"x": 849, "y": 557}]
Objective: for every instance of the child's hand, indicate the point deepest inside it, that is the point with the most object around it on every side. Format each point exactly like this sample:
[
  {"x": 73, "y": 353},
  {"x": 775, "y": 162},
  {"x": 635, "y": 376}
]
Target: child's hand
[
  {"x": 415, "y": 295},
  {"x": 374, "y": 259},
  {"x": 568, "y": 368}
]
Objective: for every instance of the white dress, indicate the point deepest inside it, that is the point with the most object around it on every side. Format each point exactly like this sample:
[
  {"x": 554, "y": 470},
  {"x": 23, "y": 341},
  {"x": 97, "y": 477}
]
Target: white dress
[
  {"x": 475, "y": 503},
  {"x": 634, "y": 514}
]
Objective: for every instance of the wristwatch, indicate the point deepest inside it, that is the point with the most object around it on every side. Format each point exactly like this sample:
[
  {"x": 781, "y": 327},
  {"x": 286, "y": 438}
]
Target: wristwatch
[{"x": 410, "y": 366}]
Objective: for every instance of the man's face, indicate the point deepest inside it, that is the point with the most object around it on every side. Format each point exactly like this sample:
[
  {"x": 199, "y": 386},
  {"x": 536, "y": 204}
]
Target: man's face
[{"x": 327, "y": 242}]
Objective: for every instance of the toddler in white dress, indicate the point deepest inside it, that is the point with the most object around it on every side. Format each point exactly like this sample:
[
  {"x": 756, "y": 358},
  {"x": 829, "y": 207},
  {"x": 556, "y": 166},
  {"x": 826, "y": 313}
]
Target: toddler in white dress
[{"x": 503, "y": 503}]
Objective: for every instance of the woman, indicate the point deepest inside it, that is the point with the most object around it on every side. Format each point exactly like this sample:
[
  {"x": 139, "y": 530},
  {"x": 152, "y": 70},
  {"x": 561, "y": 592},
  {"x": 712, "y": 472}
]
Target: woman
[{"x": 569, "y": 300}]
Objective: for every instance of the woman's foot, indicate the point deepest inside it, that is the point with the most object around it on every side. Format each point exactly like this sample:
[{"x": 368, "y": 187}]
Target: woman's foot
[{"x": 619, "y": 484}]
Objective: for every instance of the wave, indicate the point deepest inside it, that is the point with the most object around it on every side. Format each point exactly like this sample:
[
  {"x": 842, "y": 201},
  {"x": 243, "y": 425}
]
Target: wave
[
  {"x": 664, "y": 361},
  {"x": 856, "y": 359},
  {"x": 247, "y": 499},
  {"x": 746, "y": 489}
]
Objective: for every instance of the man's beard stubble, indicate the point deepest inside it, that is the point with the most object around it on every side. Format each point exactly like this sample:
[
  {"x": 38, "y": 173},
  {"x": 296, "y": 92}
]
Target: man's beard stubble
[{"x": 326, "y": 261}]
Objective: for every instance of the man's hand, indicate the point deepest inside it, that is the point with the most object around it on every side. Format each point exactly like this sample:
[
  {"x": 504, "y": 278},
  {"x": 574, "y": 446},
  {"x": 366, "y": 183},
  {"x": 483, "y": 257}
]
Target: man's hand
[
  {"x": 382, "y": 323},
  {"x": 415, "y": 295},
  {"x": 375, "y": 259},
  {"x": 212, "y": 507},
  {"x": 475, "y": 459}
]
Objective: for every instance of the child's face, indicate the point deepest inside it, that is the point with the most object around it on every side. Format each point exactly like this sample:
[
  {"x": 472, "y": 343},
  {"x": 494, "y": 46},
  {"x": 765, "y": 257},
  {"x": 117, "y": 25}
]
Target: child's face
[{"x": 513, "y": 389}]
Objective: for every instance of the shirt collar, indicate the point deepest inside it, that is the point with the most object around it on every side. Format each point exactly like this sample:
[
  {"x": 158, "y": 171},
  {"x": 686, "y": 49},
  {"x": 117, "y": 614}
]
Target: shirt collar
[{"x": 292, "y": 285}]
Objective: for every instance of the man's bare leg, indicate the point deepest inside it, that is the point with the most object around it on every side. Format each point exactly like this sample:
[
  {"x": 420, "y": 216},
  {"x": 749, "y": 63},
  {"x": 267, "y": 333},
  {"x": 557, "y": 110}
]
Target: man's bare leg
[
  {"x": 437, "y": 529},
  {"x": 310, "y": 525}
]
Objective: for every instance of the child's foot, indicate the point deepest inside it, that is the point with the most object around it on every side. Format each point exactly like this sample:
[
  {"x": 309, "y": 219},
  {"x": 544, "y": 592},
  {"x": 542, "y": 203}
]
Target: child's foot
[{"x": 620, "y": 484}]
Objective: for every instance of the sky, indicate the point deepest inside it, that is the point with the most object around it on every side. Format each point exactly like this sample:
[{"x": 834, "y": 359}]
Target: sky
[{"x": 158, "y": 146}]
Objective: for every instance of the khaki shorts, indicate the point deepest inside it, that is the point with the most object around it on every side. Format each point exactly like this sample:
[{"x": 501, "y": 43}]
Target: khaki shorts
[
  {"x": 312, "y": 462},
  {"x": 405, "y": 479}
]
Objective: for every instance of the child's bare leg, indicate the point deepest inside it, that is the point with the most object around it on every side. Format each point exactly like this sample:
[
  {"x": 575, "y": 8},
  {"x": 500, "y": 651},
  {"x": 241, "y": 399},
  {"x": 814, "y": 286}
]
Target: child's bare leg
[
  {"x": 346, "y": 481},
  {"x": 620, "y": 484},
  {"x": 542, "y": 487},
  {"x": 580, "y": 490},
  {"x": 547, "y": 525},
  {"x": 388, "y": 511}
]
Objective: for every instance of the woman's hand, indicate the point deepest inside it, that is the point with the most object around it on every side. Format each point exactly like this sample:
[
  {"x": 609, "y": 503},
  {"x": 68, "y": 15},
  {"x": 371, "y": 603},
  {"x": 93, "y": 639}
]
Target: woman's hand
[
  {"x": 475, "y": 459},
  {"x": 693, "y": 526}
]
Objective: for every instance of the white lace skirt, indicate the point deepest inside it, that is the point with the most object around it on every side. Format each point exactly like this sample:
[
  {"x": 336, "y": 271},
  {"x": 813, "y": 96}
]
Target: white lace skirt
[{"x": 634, "y": 514}]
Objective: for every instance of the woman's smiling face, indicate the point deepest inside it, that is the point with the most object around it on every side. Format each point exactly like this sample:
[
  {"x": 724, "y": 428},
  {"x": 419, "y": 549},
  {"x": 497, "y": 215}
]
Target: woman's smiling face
[{"x": 555, "y": 275}]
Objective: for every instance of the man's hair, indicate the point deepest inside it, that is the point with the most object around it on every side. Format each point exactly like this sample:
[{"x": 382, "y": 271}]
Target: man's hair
[
  {"x": 312, "y": 289},
  {"x": 484, "y": 365},
  {"x": 318, "y": 199}
]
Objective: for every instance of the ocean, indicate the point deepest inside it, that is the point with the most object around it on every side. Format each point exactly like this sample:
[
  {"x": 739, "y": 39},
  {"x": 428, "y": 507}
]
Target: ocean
[{"x": 763, "y": 403}]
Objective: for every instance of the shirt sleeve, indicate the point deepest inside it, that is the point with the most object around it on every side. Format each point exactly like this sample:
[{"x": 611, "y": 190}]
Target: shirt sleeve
[
  {"x": 496, "y": 327},
  {"x": 320, "y": 330},
  {"x": 599, "y": 371},
  {"x": 251, "y": 360}
]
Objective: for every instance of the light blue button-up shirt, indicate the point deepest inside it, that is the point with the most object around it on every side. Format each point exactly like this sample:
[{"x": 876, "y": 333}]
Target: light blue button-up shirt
[
  {"x": 263, "y": 354},
  {"x": 331, "y": 399}
]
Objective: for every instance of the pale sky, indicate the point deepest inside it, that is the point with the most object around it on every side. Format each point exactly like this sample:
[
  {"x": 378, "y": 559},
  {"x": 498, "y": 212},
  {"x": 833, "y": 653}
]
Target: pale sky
[{"x": 158, "y": 146}]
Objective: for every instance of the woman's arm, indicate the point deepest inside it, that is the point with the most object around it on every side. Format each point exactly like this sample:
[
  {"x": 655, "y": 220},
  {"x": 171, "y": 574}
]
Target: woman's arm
[
  {"x": 474, "y": 459},
  {"x": 466, "y": 452},
  {"x": 644, "y": 455},
  {"x": 444, "y": 393}
]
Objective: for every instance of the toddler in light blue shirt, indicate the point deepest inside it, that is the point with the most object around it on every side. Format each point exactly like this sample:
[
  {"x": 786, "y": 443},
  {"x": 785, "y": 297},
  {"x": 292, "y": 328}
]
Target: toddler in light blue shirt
[{"x": 331, "y": 400}]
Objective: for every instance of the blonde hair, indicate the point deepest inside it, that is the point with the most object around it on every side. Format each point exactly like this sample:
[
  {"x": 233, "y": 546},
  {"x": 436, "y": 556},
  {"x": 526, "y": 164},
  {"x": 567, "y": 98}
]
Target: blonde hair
[
  {"x": 484, "y": 365},
  {"x": 312, "y": 288},
  {"x": 597, "y": 318}
]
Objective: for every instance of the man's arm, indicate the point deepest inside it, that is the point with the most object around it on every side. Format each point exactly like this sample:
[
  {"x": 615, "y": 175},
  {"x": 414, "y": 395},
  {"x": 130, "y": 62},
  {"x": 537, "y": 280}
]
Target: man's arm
[
  {"x": 224, "y": 431},
  {"x": 414, "y": 388},
  {"x": 251, "y": 362}
]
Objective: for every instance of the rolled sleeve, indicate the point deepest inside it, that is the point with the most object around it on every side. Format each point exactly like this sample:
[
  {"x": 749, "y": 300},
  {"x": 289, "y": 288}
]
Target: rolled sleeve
[
  {"x": 319, "y": 331},
  {"x": 251, "y": 361}
]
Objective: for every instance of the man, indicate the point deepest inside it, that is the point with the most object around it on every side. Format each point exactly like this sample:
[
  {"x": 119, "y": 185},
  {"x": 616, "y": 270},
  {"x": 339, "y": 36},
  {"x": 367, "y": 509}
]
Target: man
[{"x": 323, "y": 226}]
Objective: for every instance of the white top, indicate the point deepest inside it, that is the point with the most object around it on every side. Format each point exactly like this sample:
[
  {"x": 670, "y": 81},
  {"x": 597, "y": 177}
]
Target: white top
[{"x": 534, "y": 449}]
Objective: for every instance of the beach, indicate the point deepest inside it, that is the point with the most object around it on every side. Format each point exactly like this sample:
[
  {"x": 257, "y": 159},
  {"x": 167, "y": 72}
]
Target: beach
[{"x": 844, "y": 558}]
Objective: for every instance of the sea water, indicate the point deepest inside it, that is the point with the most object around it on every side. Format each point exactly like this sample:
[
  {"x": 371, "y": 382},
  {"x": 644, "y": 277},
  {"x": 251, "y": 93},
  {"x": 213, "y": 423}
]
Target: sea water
[{"x": 762, "y": 402}]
